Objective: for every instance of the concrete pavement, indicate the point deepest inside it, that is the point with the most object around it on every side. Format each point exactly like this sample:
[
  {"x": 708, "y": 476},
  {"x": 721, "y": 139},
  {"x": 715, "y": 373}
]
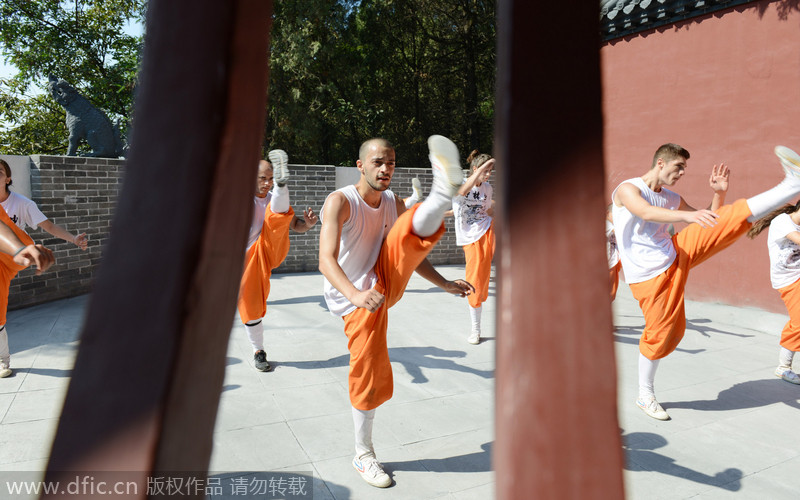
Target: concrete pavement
[{"x": 731, "y": 433}]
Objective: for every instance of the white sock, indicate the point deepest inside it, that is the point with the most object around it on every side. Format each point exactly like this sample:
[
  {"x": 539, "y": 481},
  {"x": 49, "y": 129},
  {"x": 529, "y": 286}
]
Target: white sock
[
  {"x": 764, "y": 203},
  {"x": 363, "y": 419},
  {"x": 475, "y": 316},
  {"x": 429, "y": 216},
  {"x": 785, "y": 357},
  {"x": 280, "y": 200},
  {"x": 647, "y": 376},
  {"x": 412, "y": 200},
  {"x": 5, "y": 355},
  {"x": 255, "y": 333}
]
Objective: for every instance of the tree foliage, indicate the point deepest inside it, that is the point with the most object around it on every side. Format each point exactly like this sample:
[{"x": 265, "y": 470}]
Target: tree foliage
[
  {"x": 80, "y": 41},
  {"x": 341, "y": 71},
  {"x": 344, "y": 71}
]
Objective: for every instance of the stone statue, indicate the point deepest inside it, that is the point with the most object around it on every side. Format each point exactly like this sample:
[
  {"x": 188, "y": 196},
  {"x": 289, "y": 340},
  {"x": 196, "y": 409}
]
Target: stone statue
[{"x": 85, "y": 121}]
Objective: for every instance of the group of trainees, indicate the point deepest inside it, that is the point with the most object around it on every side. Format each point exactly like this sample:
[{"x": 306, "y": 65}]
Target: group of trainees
[
  {"x": 370, "y": 243},
  {"x": 16, "y": 213},
  {"x": 656, "y": 261}
]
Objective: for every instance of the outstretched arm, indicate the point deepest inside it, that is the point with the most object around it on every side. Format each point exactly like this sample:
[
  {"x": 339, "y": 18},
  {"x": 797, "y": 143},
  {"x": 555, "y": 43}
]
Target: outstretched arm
[
  {"x": 479, "y": 175},
  {"x": 457, "y": 287},
  {"x": 337, "y": 210},
  {"x": 81, "y": 241},
  {"x": 629, "y": 196},
  {"x": 719, "y": 183},
  {"x": 308, "y": 221},
  {"x": 25, "y": 255}
]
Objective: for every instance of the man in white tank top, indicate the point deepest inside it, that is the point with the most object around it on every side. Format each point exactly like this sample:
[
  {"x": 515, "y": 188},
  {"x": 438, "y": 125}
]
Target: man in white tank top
[
  {"x": 267, "y": 247},
  {"x": 656, "y": 264},
  {"x": 369, "y": 247}
]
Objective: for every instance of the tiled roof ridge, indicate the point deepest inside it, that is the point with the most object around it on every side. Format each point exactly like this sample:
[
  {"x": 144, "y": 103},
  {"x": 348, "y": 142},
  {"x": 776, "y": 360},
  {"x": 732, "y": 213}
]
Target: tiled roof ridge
[{"x": 619, "y": 18}]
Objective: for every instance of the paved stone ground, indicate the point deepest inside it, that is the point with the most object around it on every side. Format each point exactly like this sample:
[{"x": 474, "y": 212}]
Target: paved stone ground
[{"x": 731, "y": 434}]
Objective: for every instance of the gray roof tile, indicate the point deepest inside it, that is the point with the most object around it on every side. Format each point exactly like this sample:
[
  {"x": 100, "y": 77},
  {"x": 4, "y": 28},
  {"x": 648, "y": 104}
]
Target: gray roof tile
[{"x": 619, "y": 18}]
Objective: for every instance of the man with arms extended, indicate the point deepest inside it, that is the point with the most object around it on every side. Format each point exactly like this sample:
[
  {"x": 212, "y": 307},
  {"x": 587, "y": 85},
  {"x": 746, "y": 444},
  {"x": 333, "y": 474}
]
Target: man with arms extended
[
  {"x": 656, "y": 264},
  {"x": 267, "y": 246},
  {"x": 369, "y": 247}
]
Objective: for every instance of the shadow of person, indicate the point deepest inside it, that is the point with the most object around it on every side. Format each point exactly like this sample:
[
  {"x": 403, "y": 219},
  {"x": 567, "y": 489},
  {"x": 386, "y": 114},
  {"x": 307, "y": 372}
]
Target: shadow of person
[
  {"x": 630, "y": 335},
  {"x": 638, "y": 448},
  {"x": 750, "y": 394},
  {"x": 309, "y": 299},
  {"x": 413, "y": 359},
  {"x": 480, "y": 461},
  {"x": 698, "y": 325}
]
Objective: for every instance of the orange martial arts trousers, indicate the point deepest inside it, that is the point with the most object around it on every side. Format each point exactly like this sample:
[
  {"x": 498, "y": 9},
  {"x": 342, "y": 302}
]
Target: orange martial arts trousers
[
  {"x": 478, "y": 270},
  {"x": 370, "y": 379},
  {"x": 790, "y": 336},
  {"x": 267, "y": 253},
  {"x": 661, "y": 297},
  {"x": 613, "y": 276},
  {"x": 9, "y": 268}
]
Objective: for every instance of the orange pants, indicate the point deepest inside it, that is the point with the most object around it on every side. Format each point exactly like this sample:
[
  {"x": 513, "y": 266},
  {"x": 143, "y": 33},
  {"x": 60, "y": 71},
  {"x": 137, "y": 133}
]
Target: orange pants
[
  {"x": 661, "y": 298},
  {"x": 370, "y": 379},
  {"x": 9, "y": 268},
  {"x": 479, "y": 256},
  {"x": 267, "y": 253},
  {"x": 790, "y": 336},
  {"x": 613, "y": 276}
]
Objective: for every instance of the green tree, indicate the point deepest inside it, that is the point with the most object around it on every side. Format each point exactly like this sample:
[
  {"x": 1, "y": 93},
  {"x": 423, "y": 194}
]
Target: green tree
[
  {"x": 82, "y": 42},
  {"x": 313, "y": 74},
  {"x": 343, "y": 71}
]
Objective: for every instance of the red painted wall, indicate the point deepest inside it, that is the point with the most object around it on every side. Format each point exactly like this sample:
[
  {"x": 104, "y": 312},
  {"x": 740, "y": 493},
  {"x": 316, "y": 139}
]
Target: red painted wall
[{"x": 726, "y": 87}]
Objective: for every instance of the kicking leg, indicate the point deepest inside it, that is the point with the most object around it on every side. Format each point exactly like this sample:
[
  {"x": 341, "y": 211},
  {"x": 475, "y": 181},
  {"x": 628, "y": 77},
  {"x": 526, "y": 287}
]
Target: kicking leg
[
  {"x": 762, "y": 204},
  {"x": 447, "y": 178}
]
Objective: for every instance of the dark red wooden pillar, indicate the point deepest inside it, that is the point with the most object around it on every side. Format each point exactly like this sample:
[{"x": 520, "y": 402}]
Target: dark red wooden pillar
[
  {"x": 557, "y": 432},
  {"x": 149, "y": 372}
]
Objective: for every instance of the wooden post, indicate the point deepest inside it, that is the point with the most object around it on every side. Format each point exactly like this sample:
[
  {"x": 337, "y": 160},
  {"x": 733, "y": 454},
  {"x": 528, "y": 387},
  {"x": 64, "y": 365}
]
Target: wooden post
[
  {"x": 557, "y": 431},
  {"x": 149, "y": 372}
]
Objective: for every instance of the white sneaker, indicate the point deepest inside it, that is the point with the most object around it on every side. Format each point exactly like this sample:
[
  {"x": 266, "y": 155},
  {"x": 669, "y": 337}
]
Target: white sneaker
[
  {"x": 789, "y": 160},
  {"x": 651, "y": 407},
  {"x": 5, "y": 371},
  {"x": 474, "y": 337},
  {"x": 447, "y": 172},
  {"x": 787, "y": 374},
  {"x": 416, "y": 186},
  {"x": 372, "y": 472},
  {"x": 280, "y": 165}
]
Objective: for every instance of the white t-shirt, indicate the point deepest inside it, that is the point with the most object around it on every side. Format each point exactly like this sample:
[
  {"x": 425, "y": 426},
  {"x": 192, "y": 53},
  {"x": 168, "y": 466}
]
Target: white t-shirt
[
  {"x": 471, "y": 214},
  {"x": 784, "y": 255},
  {"x": 23, "y": 211},
  {"x": 645, "y": 248},
  {"x": 259, "y": 212},
  {"x": 612, "y": 252},
  {"x": 362, "y": 236}
]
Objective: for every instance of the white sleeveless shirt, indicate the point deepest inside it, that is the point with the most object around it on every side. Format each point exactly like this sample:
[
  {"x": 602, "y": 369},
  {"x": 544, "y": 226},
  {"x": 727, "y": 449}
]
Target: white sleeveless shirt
[
  {"x": 362, "y": 236},
  {"x": 257, "y": 223},
  {"x": 645, "y": 248}
]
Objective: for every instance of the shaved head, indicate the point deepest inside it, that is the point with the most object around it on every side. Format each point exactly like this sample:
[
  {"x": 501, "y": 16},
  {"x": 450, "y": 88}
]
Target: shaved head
[{"x": 369, "y": 143}]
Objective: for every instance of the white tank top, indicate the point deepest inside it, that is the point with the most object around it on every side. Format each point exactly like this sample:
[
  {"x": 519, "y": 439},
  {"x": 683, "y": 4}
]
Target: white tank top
[
  {"x": 257, "y": 223},
  {"x": 362, "y": 236},
  {"x": 645, "y": 248}
]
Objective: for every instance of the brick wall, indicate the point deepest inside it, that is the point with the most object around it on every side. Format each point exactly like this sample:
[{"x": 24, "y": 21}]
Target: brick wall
[
  {"x": 80, "y": 195},
  {"x": 310, "y": 184}
]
